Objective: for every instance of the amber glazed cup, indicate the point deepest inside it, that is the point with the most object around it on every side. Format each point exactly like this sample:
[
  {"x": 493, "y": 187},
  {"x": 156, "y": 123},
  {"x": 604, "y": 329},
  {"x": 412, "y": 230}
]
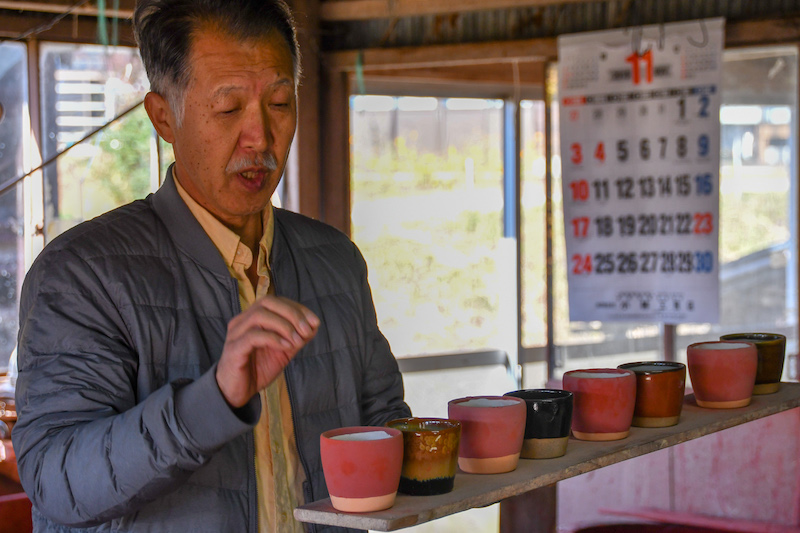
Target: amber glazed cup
[
  {"x": 548, "y": 422},
  {"x": 430, "y": 454},
  {"x": 723, "y": 373},
  {"x": 604, "y": 399},
  {"x": 660, "y": 386},
  {"x": 362, "y": 467},
  {"x": 492, "y": 429},
  {"x": 771, "y": 351}
]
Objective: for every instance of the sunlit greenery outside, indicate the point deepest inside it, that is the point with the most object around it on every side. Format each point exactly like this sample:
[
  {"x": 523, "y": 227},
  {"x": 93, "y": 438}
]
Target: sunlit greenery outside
[{"x": 427, "y": 215}]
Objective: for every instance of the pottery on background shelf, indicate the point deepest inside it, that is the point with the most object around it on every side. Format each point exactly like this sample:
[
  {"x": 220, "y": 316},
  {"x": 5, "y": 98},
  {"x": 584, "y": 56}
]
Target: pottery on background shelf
[
  {"x": 604, "y": 399},
  {"x": 430, "y": 454},
  {"x": 492, "y": 429},
  {"x": 547, "y": 423},
  {"x": 362, "y": 467},
  {"x": 722, "y": 372},
  {"x": 660, "y": 387},
  {"x": 771, "y": 349}
]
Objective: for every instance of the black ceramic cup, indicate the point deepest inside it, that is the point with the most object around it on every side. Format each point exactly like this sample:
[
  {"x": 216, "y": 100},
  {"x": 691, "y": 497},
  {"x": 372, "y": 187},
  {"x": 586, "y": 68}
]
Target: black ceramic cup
[{"x": 548, "y": 422}]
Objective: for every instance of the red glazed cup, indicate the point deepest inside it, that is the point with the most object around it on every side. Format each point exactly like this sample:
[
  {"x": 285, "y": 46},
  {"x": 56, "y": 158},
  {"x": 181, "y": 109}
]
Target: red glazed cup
[
  {"x": 722, "y": 372},
  {"x": 362, "y": 467},
  {"x": 492, "y": 429},
  {"x": 604, "y": 399}
]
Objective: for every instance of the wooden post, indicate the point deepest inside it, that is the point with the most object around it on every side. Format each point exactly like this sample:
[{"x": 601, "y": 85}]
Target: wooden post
[{"x": 531, "y": 512}]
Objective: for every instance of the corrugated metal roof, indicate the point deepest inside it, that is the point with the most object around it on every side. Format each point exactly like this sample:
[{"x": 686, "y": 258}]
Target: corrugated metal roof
[{"x": 535, "y": 22}]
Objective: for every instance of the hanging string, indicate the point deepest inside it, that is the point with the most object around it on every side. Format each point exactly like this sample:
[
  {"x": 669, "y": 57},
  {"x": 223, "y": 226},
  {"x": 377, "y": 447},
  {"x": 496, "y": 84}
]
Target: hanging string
[
  {"x": 115, "y": 23},
  {"x": 360, "y": 73},
  {"x": 102, "y": 30}
]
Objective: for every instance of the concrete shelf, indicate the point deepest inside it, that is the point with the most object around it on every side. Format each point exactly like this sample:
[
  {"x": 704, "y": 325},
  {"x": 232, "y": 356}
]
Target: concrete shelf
[{"x": 481, "y": 490}]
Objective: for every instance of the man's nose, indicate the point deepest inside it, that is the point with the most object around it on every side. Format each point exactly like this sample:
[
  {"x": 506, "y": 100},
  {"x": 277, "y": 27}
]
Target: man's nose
[{"x": 257, "y": 134}]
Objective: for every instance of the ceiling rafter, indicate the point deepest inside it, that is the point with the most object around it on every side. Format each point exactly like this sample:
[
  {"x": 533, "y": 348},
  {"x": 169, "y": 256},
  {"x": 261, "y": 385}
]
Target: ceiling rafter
[
  {"x": 62, "y": 7},
  {"x": 341, "y": 10}
]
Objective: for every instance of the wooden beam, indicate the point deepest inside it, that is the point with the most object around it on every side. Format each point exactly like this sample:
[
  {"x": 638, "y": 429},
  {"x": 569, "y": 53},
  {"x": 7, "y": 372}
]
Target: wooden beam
[
  {"x": 374, "y": 59},
  {"x": 528, "y": 73},
  {"x": 335, "y": 130},
  {"x": 737, "y": 34},
  {"x": 338, "y": 10},
  {"x": 307, "y": 184},
  {"x": 71, "y": 29},
  {"x": 42, "y": 7}
]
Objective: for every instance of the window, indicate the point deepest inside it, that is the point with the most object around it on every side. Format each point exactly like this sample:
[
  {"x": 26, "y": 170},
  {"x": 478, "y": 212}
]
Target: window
[
  {"x": 83, "y": 88},
  {"x": 13, "y": 147}
]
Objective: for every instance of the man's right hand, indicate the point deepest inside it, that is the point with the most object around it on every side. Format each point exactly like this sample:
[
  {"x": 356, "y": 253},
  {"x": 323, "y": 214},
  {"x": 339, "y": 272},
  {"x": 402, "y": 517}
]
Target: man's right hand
[{"x": 260, "y": 342}]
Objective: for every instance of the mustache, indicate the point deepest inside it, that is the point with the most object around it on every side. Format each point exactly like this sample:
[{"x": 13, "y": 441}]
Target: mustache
[{"x": 243, "y": 162}]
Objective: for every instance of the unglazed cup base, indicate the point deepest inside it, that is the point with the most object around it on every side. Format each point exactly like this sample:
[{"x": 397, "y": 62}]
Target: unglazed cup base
[
  {"x": 733, "y": 404},
  {"x": 491, "y": 465},
  {"x": 766, "y": 388},
  {"x": 544, "y": 448},
  {"x": 363, "y": 505},
  {"x": 580, "y": 435},
  {"x": 655, "y": 421}
]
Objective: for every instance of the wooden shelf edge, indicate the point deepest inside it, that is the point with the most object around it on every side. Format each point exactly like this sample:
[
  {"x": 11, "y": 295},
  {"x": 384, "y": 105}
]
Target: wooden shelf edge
[{"x": 478, "y": 491}]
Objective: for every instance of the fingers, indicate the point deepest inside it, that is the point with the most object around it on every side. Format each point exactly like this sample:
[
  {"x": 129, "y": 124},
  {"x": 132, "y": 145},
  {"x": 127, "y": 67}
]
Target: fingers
[{"x": 293, "y": 323}]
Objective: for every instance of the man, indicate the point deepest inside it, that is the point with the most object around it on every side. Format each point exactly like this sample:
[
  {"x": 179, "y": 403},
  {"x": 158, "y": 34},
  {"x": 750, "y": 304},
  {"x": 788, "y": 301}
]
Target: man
[{"x": 179, "y": 356}]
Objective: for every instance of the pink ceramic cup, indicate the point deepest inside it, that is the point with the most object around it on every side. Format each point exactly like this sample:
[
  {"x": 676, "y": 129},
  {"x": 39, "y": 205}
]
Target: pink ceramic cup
[
  {"x": 492, "y": 430},
  {"x": 362, "y": 466},
  {"x": 722, "y": 372},
  {"x": 604, "y": 400}
]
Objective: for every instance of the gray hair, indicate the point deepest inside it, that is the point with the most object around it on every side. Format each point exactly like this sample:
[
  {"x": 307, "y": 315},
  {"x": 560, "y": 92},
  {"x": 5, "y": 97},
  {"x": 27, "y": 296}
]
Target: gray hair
[{"x": 164, "y": 30}]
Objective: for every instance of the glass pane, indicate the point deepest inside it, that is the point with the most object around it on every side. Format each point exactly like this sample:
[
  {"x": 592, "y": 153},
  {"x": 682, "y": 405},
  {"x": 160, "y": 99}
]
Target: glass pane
[
  {"x": 13, "y": 131},
  {"x": 758, "y": 198},
  {"x": 427, "y": 205},
  {"x": 534, "y": 289},
  {"x": 83, "y": 88}
]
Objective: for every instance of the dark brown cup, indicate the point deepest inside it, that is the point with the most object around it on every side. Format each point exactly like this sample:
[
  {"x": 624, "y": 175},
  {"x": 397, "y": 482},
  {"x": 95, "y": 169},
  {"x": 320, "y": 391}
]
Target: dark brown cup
[
  {"x": 771, "y": 351},
  {"x": 660, "y": 387}
]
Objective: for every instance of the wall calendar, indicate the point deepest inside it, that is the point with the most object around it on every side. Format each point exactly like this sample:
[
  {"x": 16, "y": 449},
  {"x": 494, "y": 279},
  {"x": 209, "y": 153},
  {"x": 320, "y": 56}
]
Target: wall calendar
[{"x": 640, "y": 139}]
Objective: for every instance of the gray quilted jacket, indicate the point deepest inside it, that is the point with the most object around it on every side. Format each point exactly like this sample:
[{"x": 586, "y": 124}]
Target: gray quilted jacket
[{"x": 121, "y": 424}]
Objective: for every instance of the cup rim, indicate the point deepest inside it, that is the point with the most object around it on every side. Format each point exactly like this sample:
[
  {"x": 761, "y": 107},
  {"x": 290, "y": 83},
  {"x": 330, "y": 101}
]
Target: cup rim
[
  {"x": 696, "y": 345},
  {"x": 449, "y": 424},
  {"x": 620, "y": 371},
  {"x": 347, "y": 430},
  {"x": 547, "y": 395},
  {"x": 669, "y": 366},
  {"x": 457, "y": 401},
  {"x": 754, "y": 337}
]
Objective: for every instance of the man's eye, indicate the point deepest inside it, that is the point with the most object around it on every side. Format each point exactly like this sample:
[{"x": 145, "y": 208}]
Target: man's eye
[{"x": 229, "y": 111}]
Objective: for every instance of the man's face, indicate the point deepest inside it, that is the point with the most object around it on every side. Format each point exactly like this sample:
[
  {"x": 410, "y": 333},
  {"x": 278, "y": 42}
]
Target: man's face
[{"x": 240, "y": 114}]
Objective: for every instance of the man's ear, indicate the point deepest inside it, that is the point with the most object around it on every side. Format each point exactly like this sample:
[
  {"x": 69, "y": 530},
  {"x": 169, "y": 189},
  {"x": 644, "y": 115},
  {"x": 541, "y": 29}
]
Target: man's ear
[{"x": 160, "y": 115}]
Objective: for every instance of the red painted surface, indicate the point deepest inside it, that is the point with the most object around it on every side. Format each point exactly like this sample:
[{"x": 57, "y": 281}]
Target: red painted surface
[
  {"x": 749, "y": 473},
  {"x": 15, "y": 514}
]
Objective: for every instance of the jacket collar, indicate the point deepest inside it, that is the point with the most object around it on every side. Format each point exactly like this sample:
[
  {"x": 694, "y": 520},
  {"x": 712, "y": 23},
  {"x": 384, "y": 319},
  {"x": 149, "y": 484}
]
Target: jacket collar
[{"x": 184, "y": 229}]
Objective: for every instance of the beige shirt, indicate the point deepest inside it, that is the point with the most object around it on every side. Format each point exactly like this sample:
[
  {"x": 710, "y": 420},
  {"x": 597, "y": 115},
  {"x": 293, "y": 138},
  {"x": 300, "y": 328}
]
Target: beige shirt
[{"x": 239, "y": 257}]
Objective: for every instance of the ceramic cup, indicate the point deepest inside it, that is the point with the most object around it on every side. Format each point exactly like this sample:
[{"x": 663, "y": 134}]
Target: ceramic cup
[
  {"x": 723, "y": 373},
  {"x": 362, "y": 467},
  {"x": 430, "y": 454},
  {"x": 771, "y": 351},
  {"x": 492, "y": 429},
  {"x": 548, "y": 422},
  {"x": 660, "y": 386},
  {"x": 604, "y": 400}
]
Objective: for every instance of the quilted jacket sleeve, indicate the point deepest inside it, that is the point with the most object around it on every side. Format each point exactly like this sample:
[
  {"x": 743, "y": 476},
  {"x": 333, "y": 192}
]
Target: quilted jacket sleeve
[
  {"x": 382, "y": 392},
  {"x": 89, "y": 449}
]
